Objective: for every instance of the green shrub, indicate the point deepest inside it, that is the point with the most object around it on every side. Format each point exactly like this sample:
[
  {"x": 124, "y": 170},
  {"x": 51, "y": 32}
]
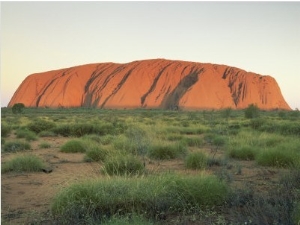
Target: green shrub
[
  {"x": 5, "y": 130},
  {"x": 18, "y": 108},
  {"x": 167, "y": 150},
  {"x": 196, "y": 160},
  {"x": 40, "y": 125},
  {"x": 96, "y": 154},
  {"x": 152, "y": 196},
  {"x": 278, "y": 157},
  {"x": 25, "y": 163},
  {"x": 243, "y": 153},
  {"x": 123, "y": 165},
  {"x": 44, "y": 145},
  {"x": 73, "y": 146},
  {"x": 252, "y": 111},
  {"x": 27, "y": 134},
  {"x": 14, "y": 146}
]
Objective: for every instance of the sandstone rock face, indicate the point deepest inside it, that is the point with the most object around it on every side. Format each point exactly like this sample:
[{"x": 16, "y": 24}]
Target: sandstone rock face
[{"x": 157, "y": 83}]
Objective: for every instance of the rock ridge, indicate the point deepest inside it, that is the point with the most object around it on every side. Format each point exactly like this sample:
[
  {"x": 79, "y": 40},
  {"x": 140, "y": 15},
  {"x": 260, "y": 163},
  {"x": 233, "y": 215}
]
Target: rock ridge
[{"x": 153, "y": 83}]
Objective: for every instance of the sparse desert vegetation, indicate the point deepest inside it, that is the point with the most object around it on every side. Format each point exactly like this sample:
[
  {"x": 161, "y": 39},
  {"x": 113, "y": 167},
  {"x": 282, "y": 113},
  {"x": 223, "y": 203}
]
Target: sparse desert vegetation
[
  {"x": 23, "y": 163},
  {"x": 150, "y": 166}
]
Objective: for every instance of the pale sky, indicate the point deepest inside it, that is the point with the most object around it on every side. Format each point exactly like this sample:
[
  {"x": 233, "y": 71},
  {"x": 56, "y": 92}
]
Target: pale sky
[{"x": 261, "y": 37}]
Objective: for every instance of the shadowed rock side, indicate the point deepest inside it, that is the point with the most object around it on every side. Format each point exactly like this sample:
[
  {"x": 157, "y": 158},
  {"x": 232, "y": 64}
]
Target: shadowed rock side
[{"x": 156, "y": 83}]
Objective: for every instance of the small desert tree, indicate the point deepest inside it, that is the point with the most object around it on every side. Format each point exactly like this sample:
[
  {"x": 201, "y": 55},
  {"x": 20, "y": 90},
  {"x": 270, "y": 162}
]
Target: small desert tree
[{"x": 18, "y": 108}]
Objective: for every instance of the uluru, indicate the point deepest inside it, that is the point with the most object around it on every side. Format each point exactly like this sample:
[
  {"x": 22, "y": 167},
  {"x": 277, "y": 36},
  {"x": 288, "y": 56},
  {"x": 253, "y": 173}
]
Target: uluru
[{"x": 155, "y": 83}]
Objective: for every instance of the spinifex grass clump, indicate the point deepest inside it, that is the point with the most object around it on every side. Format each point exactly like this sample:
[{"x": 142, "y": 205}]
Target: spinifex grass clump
[
  {"x": 14, "y": 146},
  {"x": 73, "y": 146},
  {"x": 151, "y": 195},
  {"x": 24, "y": 163},
  {"x": 96, "y": 154},
  {"x": 167, "y": 150},
  {"x": 243, "y": 152},
  {"x": 196, "y": 160},
  {"x": 27, "y": 134},
  {"x": 40, "y": 125},
  {"x": 278, "y": 157},
  {"x": 123, "y": 165}
]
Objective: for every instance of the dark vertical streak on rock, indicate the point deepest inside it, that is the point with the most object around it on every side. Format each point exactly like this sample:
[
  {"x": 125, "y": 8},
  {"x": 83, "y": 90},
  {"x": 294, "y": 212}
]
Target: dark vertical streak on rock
[
  {"x": 87, "y": 101},
  {"x": 171, "y": 100},
  {"x": 45, "y": 88},
  {"x": 236, "y": 91},
  {"x": 226, "y": 72},
  {"x": 182, "y": 72},
  {"x": 65, "y": 86},
  {"x": 44, "y": 91},
  {"x": 117, "y": 88},
  {"x": 110, "y": 77},
  {"x": 143, "y": 98}
]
